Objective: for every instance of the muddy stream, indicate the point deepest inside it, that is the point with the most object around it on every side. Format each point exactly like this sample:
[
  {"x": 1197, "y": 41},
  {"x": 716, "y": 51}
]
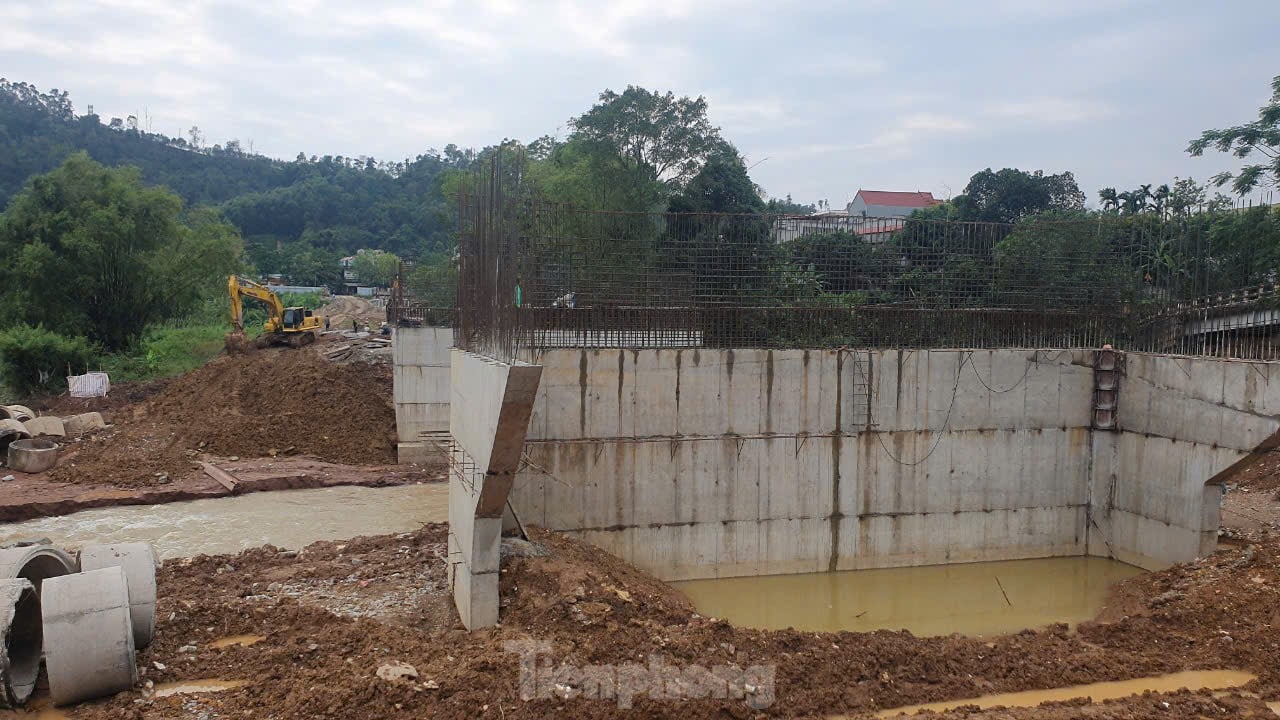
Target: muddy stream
[{"x": 289, "y": 519}]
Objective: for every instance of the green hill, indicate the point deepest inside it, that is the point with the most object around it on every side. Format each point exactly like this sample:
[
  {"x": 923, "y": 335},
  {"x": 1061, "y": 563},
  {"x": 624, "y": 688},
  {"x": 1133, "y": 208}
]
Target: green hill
[{"x": 334, "y": 205}]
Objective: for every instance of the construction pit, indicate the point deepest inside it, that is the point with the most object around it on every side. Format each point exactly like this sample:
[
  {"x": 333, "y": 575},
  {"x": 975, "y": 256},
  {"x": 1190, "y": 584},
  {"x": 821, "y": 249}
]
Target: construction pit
[
  {"x": 711, "y": 532},
  {"x": 336, "y": 601}
]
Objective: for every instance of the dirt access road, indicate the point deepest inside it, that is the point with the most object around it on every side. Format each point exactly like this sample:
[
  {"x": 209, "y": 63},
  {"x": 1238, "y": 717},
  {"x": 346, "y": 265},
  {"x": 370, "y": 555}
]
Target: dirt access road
[{"x": 342, "y": 309}]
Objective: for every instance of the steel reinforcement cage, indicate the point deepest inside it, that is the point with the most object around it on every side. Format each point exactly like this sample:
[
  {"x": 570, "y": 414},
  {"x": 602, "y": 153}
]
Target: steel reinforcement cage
[{"x": 541, "y": 275}]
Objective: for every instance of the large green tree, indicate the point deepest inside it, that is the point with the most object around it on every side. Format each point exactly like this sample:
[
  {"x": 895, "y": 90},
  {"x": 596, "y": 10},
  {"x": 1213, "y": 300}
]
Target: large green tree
[
  {"x": 664, "y": 136},
  {"x": 720, "y": 234},
  {"x": 1010, "y": 195},
  {"x": 89, "y": 250},
  {"x": 591, "y": 175},
  {"x": 376, "y": 268},
  {"x": 1260, "y": 138}
]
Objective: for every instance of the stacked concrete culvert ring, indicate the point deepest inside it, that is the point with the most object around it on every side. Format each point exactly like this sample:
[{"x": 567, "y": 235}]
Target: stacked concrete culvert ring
[
  {"x": 20, "y": 630},
  {"x": 46, "y": 425},
  {"x": 139, "y": 563},
  {"x": 82, "y": 423},
  {"x": 36, "y": 563},
  {"x": 88, "y": 635},
  {"x": 11, "y": 430},
  {"x": 32, "y": 455},
  {"x": 20, "y": 413}
]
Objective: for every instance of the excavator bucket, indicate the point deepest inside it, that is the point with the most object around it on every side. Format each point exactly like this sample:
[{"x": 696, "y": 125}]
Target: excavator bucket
[{"x": 237, "y": 342}]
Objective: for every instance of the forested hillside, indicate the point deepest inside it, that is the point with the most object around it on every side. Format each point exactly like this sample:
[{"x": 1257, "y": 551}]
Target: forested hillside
[{"x": 286, "y": 210}]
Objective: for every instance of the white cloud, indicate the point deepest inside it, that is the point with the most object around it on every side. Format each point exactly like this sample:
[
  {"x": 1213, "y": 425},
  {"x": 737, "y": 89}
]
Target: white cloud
[
  {"x": 837, "y": 94},
  {"x": 1052, "y": 111}
]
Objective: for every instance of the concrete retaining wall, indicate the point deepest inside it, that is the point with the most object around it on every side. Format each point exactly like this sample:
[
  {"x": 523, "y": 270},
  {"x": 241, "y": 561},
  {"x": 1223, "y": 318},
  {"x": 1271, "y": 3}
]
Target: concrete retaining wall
[
  {"x": 696, "y": 463},
  {"x": 704, "y": 463},
  {"x": 421, "y": 358}
]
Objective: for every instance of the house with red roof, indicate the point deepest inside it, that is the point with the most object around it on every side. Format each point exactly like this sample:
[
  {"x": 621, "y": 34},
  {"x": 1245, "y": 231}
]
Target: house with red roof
[{"x": 889, "y": 204}]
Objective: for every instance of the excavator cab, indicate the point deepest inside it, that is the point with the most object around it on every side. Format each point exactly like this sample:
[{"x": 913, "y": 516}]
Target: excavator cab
[{"x": 293, "y": 318}]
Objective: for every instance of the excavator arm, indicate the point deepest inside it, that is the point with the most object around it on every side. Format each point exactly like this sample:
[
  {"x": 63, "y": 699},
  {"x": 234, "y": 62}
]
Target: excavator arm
[{"x": 239, "y": 288}]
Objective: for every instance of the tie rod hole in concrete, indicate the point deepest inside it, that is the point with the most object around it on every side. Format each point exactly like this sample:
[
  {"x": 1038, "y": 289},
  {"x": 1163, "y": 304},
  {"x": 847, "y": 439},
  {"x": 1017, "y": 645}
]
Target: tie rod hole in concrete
[{"x": 21, "y": 629}]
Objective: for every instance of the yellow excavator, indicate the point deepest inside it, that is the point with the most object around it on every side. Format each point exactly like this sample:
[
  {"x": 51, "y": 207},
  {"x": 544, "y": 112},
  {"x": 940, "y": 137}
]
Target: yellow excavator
[{"x": 292, "y": 326}]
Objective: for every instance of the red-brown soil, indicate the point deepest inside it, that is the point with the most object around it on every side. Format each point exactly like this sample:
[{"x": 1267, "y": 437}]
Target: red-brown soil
[
  {"x": 33, "y": 496},
  {"x": 1263, "y": 474},
  {"x": 265, "y": 403},
  {"x": 336, "y": 612}
]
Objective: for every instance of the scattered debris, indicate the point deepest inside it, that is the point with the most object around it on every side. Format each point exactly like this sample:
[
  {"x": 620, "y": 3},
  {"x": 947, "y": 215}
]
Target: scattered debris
[
  {"x": 224, "y": 478},
  {"x": 397, "y": 670}
]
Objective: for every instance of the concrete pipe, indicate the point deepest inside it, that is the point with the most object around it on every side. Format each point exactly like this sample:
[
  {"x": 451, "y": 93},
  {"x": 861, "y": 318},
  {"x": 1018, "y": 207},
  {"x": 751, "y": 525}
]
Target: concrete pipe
[
  {"x": 46, "y": 425},
  {"x": 21, "y": 413},
  {"x": 33, "y": 455},
  {"x": 88, "y": 639},
  {"x": 36, "y": 563},
  {"x": 139, "y": 563},
  {"x": 83, "y": 423},
  {"x": 20, "y": 630},
  {"x": 11, "y": 430}
]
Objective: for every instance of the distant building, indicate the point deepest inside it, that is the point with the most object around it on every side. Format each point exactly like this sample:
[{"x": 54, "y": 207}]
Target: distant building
[
  {"x": 349, "y": 275},
  {"x": 889, "y": 204},
  {"x": 873, "y": 230}
]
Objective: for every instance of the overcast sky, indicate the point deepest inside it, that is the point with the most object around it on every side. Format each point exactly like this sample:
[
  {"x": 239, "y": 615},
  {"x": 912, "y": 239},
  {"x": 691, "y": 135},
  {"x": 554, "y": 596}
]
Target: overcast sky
[{"x": 825, "y": 97}]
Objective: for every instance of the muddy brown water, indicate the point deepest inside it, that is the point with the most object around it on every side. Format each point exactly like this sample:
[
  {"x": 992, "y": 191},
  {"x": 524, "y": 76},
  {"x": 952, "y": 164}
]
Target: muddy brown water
[
  {"x": 1097, "y": 692},
  {"x": 289, "y": 519},
  {"x": 988, "y": 598}
]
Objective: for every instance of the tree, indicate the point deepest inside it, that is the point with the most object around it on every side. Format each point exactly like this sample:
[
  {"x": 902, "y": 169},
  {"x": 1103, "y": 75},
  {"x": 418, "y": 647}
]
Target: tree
[
  {"x": 726, "y": 242},
  {"x": 1261, "y": 136},
  {"x": 89, "y": 250},
  {"x": 721, "y": 186},
  {"x": 1160, "y": 199},
  {"x": 589, "y": 175},
  {"x": 375, "y": 267},
  {"x": 304, "y": 264},
  {"x": 1054, "y": 261},
  {"x": 1010, "y": 195},
  {"x": 1110, "y": 200},
  {"x": 788, "y": 207},
  {"x": 665, "y": 136},
  {"x": 1185, "y": 196}
]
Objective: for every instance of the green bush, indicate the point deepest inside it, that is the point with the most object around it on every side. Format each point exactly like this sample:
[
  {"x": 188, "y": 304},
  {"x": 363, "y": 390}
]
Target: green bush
[
  {"x": 311, "y": 300},
  {"x": 168, "y": 349},
  {"x": 34, "y": 359}
]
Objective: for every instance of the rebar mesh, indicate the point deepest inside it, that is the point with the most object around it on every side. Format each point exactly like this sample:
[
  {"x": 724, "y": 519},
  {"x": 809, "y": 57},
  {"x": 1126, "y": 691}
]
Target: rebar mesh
[{"x": 537, "y": 275}]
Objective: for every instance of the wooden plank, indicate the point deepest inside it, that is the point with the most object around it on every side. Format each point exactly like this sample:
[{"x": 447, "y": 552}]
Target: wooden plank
[{"x": 226, "y": 479}]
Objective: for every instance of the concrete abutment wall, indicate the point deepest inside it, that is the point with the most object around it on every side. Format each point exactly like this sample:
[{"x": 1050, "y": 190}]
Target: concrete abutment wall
[{"x": 705, "y": 463}]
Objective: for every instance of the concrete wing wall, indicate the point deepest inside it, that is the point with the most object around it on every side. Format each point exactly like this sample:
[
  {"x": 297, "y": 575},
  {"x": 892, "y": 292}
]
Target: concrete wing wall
[
  {"x": 1182, "y": 421},
  {"x": 490, "y": 406}
]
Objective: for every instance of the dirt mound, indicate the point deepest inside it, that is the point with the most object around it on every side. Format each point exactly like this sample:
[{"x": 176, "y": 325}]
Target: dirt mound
[
  {"x": 276, "y": 401},
  {"x": 1263, "y": 474}
]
